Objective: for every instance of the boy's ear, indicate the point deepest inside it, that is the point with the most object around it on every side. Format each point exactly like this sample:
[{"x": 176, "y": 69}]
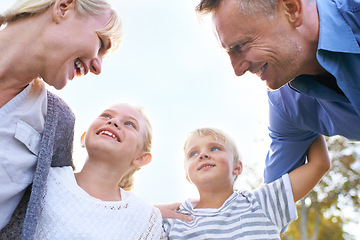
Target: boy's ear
[
  {"x": 82, "y": 139},
  {"x": 61, "y": 8},
  {"x": 188, "y": 178},
  {"x": 238, "y": 169},
  {"x": 142, "y": 160}
]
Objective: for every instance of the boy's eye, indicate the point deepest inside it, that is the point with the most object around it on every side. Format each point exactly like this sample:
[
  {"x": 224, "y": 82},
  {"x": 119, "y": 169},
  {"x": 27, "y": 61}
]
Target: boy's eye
[
  {"x": 192, "y": 154},
  {"x": 215, "y": 149}
]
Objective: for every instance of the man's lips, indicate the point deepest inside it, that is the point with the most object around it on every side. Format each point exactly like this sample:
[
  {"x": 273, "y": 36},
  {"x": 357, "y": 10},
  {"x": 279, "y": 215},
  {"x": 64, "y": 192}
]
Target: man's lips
[
  {"x": 260, "y": 72},
  {"x": 206, "y": 166},
  {"x": 108, "y": 132}
]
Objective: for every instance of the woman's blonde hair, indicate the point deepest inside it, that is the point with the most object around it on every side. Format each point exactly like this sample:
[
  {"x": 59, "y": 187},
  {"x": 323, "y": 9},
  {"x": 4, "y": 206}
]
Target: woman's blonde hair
[
  {"x": 127, "y": 182},
  {"x": 26, "y": 8}
]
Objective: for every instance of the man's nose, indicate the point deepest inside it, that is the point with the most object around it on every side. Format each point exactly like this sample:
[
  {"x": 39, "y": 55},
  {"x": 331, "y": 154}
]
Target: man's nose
[{"x": 239, "y": 64}]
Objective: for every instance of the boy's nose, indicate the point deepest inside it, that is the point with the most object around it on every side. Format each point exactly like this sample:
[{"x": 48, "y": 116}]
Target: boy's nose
[{"x": 204, "y": 156}]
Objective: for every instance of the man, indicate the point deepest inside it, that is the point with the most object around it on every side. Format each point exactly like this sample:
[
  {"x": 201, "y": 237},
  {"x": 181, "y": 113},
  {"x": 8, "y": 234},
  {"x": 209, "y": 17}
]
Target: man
[{"x": 308, "y": 54}]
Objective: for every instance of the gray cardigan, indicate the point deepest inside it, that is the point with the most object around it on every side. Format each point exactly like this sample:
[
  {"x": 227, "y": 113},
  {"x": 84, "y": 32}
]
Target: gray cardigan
[{"x": 56, "y": 150}]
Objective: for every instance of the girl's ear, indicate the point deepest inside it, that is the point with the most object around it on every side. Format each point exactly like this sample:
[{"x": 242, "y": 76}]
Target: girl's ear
[
  {"x": 61, "y": 8},
  {"x": 82, "y": 139},
  {"x": 142, "y": 160}
]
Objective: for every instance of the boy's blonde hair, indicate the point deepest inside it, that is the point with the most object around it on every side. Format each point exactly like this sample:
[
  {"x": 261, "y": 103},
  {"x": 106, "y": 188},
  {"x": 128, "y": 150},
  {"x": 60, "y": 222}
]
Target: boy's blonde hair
[
  {"x": 26, "y": 8},
  {"x": 217, "y": 134},
  {"x": 127, "y": 182}
]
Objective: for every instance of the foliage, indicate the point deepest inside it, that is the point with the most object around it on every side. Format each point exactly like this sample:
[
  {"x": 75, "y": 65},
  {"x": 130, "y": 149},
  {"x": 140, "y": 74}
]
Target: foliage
[{"x": 324, "y": 212}]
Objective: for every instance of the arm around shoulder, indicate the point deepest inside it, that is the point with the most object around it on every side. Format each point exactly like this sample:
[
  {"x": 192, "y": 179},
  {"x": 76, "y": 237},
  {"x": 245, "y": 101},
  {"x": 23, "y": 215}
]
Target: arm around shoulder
[{"x": 304, "y": 178}]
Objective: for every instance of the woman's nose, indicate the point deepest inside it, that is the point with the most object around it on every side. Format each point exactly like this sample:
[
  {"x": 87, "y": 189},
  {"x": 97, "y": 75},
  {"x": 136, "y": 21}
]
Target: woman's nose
[{"x": 95, "y": 65}]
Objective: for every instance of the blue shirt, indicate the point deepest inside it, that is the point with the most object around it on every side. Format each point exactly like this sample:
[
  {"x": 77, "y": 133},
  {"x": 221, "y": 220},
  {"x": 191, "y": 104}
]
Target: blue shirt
[{"x": 305, "y": 108}]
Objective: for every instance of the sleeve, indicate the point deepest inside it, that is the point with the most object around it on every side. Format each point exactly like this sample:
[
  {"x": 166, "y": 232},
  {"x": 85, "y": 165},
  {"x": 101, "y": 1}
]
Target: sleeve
[
  {"x": 289, "y": 140},
  {"x": 277, "y": 201}
]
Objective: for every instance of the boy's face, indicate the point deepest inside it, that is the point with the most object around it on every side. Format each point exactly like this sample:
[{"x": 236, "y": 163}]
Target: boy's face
[
  {"x": 117, "y": 132},
  {"x": 209, "y": 162}
]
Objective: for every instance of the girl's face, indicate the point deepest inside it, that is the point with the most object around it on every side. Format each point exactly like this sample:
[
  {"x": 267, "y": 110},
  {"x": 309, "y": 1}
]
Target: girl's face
[
  {"x": 118, "y": 133},
  {"x": 74, "y": 48}
]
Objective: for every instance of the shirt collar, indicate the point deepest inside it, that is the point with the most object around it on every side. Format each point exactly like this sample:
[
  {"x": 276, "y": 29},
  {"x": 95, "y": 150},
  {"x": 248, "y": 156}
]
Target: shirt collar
[{"x": 334, "y": 34}]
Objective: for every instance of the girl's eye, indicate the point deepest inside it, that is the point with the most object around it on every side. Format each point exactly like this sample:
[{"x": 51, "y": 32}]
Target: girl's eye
[
  {"x": 106, "y": 115},
  {"x": 131, "y": 124}
]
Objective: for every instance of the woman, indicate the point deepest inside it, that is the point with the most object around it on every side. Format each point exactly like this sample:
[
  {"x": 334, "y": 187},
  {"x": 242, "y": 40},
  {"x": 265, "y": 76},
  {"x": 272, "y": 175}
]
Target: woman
[{"x": 49, "y": 41}]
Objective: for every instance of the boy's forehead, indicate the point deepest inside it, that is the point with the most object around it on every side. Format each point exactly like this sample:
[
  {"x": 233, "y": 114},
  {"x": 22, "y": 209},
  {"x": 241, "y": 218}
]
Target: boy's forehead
[{"x": 198, "y": 140}]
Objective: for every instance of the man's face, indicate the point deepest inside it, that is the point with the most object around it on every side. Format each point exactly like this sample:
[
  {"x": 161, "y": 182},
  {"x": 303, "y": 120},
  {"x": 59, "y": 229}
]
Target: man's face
[{"x": 257, "y": 44}]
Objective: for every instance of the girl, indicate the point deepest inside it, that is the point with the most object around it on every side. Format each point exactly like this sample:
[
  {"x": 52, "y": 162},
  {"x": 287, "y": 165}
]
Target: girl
[{"x": 93, "y": 204}]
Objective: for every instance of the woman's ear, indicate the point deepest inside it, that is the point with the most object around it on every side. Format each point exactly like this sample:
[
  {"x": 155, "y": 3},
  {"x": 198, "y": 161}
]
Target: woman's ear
[
  {"x": 142, "y": 160},
  {"x": 82, "y": 139},
  {"x": 60, "y": 9}
]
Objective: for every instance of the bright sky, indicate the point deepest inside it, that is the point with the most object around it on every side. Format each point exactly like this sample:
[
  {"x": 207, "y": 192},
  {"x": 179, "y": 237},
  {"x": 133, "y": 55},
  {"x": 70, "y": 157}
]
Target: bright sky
[{"x": 171, "y": 64}]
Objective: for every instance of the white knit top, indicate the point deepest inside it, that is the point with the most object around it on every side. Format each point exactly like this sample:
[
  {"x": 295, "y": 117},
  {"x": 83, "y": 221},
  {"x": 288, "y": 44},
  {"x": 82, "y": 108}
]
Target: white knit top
[{"x": 68, "y": 212}]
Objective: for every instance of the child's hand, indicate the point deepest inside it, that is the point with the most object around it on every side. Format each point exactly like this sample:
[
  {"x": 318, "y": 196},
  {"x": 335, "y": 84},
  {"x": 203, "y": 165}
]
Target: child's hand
[{"x": 169, "y": 211}]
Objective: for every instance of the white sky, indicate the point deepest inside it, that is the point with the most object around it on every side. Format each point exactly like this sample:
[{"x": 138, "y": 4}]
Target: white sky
[{"x": 171, "y": 64}]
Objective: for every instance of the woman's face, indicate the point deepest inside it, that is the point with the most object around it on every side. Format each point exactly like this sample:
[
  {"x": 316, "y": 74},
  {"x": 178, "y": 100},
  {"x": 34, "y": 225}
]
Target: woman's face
[{"x": 74, "y": 48}]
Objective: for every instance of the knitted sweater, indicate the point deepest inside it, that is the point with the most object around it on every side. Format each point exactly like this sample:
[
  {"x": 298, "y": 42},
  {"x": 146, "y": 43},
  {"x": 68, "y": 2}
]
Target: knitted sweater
[
  {"x": 68, "y": 212},
  {"x": 56, "y": 150}
]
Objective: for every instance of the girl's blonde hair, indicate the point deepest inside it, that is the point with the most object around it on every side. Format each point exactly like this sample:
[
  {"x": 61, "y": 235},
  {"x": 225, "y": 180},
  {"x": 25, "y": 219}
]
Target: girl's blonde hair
[
  {"x": 25, "y": 8},
  {"x": 127, "y": 182}
]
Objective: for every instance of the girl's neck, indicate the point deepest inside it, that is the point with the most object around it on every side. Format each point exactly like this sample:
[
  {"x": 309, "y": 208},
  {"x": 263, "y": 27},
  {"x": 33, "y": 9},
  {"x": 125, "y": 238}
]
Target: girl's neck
[{"x": 99, "y": 182}]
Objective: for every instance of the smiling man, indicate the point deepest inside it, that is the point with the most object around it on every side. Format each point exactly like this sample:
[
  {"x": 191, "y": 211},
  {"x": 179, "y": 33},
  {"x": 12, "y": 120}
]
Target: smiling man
[{"x": 307, "y": 52}]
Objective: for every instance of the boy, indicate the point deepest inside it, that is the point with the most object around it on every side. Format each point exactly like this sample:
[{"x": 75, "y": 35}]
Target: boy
[{"x": 212, "y": 163}]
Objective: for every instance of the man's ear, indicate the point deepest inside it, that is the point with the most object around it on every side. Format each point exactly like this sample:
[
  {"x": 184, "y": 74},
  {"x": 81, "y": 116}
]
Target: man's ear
[
  {"x": 142, "y": 160},
  {"x": 238, "y": 169},
  {"x": 61, "y": 8},
  {"x": 293, "y": 9}
]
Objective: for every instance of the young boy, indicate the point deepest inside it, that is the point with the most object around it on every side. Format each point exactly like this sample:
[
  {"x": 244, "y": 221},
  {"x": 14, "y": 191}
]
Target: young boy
[{"x": 212, "y": 163}]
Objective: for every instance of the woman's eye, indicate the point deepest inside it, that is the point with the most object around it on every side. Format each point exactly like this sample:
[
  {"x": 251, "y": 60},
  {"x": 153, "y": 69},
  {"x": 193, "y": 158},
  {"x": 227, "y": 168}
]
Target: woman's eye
[{"x": 101, "y": 43}]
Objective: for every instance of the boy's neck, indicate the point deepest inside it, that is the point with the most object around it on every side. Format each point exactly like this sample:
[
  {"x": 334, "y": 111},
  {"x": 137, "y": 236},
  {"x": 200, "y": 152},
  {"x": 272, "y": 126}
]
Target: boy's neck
[{"x": 214, "y": 199}]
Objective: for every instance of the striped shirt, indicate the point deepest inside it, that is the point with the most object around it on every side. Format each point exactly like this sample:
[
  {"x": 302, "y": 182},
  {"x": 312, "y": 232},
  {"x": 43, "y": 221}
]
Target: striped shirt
[{"x": 259, "y": 214}]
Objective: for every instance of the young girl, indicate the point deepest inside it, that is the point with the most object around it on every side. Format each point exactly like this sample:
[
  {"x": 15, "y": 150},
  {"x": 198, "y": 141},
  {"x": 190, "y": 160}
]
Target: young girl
[{"x": 93, "y": 204}]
